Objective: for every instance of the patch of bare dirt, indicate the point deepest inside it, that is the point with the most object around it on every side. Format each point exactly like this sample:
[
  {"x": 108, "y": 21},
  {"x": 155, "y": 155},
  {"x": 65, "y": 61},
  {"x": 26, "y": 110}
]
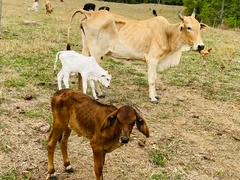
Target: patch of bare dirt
[{"x": 200, "y": 137}]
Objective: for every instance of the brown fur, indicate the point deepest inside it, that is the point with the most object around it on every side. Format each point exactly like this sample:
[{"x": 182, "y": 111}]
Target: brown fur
[
  {"x": 103, "y": 125},
  {"x": 49, "y": 8}
]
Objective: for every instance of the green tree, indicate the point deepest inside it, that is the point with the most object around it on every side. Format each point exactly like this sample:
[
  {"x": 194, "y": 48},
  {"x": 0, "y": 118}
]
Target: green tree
[{"x": 215, "y": 12}]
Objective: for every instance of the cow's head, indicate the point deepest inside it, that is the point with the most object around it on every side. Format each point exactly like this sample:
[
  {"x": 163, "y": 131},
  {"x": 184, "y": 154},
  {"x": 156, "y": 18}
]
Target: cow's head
[
  {"x": 105, "y": 78},
  {"x": 190, "y": 29},
  {"x": 125, "y": 118}
]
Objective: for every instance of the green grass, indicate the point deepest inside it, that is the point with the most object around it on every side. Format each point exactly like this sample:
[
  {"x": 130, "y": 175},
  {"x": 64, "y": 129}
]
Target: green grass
[{"x": 158, "y": 158}]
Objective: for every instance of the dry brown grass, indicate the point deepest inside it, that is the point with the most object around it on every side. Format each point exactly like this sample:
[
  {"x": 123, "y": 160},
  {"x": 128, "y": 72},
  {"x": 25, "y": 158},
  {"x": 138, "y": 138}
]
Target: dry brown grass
[{"x": 195, "y": 126}]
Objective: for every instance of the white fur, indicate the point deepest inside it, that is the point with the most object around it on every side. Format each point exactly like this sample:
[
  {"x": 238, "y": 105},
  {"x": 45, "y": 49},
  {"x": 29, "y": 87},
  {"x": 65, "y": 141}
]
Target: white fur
[
  {"x": 73, "y": 62},
  {"x": 34, "y": 7}
]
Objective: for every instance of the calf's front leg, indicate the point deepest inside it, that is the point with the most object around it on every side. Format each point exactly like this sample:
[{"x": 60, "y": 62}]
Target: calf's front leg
[{"x": 99, "y": 158}]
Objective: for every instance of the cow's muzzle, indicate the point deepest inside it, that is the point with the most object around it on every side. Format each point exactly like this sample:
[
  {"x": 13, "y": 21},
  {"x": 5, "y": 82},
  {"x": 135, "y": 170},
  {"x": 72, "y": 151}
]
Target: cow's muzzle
[
  {"x": 124, "y": 140},
  {"x": 200, "y": 47}
]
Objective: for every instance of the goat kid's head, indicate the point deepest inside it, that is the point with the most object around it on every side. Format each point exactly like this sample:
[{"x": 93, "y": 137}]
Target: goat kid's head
[
  {"x": 126, "y": 117},
  {"x": 105, "y": 78}
]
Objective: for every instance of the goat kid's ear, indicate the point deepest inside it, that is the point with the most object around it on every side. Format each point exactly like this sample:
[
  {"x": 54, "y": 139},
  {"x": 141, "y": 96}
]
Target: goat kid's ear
[
  {"x": 109, "y": 121},
  {"x": 142, "y": 125}
]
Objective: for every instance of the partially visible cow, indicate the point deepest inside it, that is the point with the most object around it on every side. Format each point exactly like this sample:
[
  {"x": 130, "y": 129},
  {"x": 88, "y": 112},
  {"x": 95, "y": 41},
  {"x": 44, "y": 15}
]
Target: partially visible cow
[
  {"x": 155, "y": 41},
  {"x": 73, "y": 62},
  {"x": 89, "y": 7},
  {"x": 104, "y": 8},
  {"x": 106, "y": 126}
]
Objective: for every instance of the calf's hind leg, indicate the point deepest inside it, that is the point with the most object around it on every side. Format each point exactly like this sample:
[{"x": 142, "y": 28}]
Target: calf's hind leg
[
  {"x": 63, "y": 146},
  {"x": 51, "y": 144}
]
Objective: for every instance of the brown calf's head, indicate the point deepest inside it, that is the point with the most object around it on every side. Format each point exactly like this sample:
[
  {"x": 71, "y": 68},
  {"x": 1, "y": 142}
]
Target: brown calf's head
[
  {"x": 190, "y": 29},
  {"x": 126, "y": 117}
]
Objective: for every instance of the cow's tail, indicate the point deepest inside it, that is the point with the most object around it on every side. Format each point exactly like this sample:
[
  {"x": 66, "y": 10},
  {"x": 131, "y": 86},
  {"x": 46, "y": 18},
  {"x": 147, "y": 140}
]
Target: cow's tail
[
  {"x": 87, "y": 14},
  {"x": 55, "y": 63}
]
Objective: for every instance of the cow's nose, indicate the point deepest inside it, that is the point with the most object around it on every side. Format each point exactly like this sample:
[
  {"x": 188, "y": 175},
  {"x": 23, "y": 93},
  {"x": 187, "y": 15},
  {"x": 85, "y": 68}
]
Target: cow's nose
[
  {"x": 200, "y": 47},
  {"x": 124, "y": 140}
]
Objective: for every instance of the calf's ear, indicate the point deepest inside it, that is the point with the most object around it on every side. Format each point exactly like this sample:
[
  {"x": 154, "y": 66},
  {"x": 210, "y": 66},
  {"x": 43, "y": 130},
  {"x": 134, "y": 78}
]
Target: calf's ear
[
  {"x": 109, "y": 121},
  {"x": 142, "y": 125}
]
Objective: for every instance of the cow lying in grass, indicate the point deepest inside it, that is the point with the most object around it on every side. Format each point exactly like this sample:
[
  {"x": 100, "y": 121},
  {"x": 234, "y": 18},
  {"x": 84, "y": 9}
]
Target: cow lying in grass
[
  {"x": 86, "y": 66},
  {"x": 106, "y": 126}
]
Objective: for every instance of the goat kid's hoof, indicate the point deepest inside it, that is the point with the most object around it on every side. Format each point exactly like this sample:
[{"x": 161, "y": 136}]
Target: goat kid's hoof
[
  {"x": 69, "y": 169},
  {"x": 102, "y": 96},
  {"x": 154, "y": 101}
]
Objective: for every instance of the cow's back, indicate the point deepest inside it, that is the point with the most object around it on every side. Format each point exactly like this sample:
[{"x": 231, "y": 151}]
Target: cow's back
[{"x": 82, "y": 113}]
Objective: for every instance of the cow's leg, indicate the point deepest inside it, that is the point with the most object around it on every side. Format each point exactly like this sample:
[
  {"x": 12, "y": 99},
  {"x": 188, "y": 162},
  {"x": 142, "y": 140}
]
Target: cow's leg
[
  {"x": 98, "y": 56},
  {"x": 51, "y": 143},
  {"x": 85, "y": 52},
  {"x": 152, "y": 75},
  {"x": 59, "y": 78},
  {"x": 63, "y": 146},
  {"x": 99, "y": 158},
  {"x": 93, "y": 89}
]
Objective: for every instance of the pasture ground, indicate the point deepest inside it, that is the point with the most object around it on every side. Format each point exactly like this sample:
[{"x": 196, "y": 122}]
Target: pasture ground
[{"x": 194, "y": 130}]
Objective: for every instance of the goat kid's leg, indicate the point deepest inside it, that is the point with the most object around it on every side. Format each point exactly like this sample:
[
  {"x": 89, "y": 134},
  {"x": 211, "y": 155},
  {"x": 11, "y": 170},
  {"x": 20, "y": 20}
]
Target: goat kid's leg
[
  {"x": 93, "y": 89},
  {"x": 84, "y": 84},
  {"x": 51, "y": 144},
  {"x": 59, "y": 78},
  {"x": 152, "y": 74},
  {"x": 66, "y": 79},
  {"x": 63, "y": 146}
]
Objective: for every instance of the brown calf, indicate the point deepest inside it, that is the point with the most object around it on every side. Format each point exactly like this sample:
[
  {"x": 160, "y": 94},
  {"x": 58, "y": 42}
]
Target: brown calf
[
  {"x": 49, "y": 8},
  {"x": 106, "y": 126}
]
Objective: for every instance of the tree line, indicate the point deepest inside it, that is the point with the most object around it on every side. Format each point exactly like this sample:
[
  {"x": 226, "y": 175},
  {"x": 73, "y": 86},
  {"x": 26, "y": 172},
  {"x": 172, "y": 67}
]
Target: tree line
[{"x": 212, "y": 12}]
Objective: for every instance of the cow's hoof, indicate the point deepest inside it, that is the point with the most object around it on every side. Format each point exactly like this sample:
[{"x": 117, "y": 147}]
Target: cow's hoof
[
  {"x": 53, "y": 178},
  {"x": 154, "y": 102},
  {"x": 69, "y": 169}
]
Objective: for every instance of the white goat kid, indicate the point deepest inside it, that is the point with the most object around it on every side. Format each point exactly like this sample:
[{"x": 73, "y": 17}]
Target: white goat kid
[{"x": 73, "y": 62}]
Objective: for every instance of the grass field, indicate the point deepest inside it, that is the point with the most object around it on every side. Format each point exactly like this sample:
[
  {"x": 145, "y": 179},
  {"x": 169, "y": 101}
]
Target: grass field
[{"x": 194, "y": 130}]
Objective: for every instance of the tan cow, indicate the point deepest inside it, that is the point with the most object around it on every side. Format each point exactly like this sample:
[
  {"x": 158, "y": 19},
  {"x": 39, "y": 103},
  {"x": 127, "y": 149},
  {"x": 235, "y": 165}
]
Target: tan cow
[{"x": 155, "y": 41}]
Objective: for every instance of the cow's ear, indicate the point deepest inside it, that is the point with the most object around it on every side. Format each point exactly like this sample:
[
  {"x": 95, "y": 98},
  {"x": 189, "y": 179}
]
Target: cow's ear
[
  {"x": 119, "y": 24},
  {"x": 203, "y": 26},
  {"x": 142, "y": 125},
  {"x": 109, "y": 121}
]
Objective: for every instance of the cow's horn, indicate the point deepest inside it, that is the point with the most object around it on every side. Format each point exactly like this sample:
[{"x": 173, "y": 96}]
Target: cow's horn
[
  {"x": 194, "y": 13},
  {"x": 179, "y": 14}
]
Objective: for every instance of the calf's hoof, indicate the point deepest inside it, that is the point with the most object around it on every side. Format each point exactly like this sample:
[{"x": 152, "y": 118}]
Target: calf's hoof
[
  {"x": 51, "y": 177},
  {"x": 69, "y": 169}
]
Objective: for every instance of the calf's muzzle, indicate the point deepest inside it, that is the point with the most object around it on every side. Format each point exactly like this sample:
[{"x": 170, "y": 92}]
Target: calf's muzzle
[{"x": 124, "y": 140}]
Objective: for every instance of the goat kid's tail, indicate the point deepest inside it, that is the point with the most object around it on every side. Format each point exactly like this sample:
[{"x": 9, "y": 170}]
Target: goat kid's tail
[{"x": 55, "y": 63}]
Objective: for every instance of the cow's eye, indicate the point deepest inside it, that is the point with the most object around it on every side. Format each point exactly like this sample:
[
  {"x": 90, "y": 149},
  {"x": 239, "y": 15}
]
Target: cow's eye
[{"x": 189, "y": 28}]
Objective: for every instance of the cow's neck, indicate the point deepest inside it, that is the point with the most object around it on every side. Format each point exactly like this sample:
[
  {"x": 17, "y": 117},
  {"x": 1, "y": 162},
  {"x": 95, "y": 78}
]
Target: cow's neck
[{"x": 174, "y": 37}]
